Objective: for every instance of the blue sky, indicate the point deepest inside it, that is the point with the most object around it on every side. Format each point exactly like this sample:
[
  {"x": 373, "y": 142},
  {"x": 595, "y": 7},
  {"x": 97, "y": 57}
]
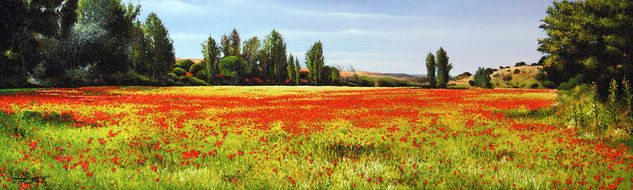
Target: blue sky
[{"x": 379, "y": 36}]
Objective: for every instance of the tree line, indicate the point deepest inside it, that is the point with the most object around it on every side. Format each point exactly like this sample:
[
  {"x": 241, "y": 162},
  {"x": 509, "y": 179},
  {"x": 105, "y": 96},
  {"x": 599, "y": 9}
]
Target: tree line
[
  {"x": 102, "y": 42},
  {"x": 256, "y": 61}
]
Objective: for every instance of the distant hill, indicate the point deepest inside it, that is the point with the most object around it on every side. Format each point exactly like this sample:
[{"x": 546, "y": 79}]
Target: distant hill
[
  {"x": 513, "y": 77},
  {"x": 398, "y": 76}
]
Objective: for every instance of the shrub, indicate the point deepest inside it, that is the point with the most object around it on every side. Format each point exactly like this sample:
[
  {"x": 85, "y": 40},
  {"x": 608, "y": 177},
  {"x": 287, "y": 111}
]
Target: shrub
[
  {"x": 573, "y": 82},
  {"x": 507, "y": 78},
  {"x": 472, "y": 83},
  {"x": 179, "y": 71},
  {"x": 234, "y": 68},
  {"x": 195, "y": 68},
  {"x": 184, "y": 64},
  {"x": 517, "y": 71},
  {"x": 201, "y": 74},
  {"x": 540, "y": 76},
  {"x": 549, "y": 84},
  {"x": 520, "y": 64},
  {"x": 192, "y": 81},
  {"x": 534, "y": 85},
  {"x": 482, "y": 78}
]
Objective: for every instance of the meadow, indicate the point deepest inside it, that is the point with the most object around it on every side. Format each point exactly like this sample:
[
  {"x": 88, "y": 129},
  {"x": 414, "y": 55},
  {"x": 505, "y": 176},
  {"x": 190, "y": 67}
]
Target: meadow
[{"x": 230, "y": 137}]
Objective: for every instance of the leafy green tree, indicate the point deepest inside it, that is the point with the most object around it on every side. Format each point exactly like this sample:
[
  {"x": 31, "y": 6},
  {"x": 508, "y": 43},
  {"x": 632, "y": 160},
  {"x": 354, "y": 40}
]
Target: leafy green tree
[
  {"x": 315, "y": 61},
  {"x": 111, "y": 53},
  {"x": 443, "y": 68},
  {"x": 291, "y": 68},
  {"x": 26, "y": 27},
  {"x": 273, "y": 57},
  {"x": 235, "y": 68},
  {"x": 141, "y": 61},
  {"x": 211, "y": 54},
  {"x": 430, "y": 69},
  {"x": 251, "y": 53},
  {"x": 234, "y": 49},
  {"x": 225, "y": 43},
  {"x": 482, "y": 77},
  {"x": 297, "y": 71},
  {"x": 161, "y": 47},
  {"x": 588, "y": 40},
  {"x": 329, "y": 75}
]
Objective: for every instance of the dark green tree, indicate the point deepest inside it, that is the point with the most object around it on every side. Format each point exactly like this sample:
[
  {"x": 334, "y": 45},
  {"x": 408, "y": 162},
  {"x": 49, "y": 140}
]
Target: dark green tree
[
  {"x": 443, "y": 68},
  {"x": 430, "y": 70},
  {"x": 291, "y": 69},
  {"x": 250, "y": 52},
  {"x": 235, "y": 68},
  {"x": 105, "y": 30},
  {"x": 225, "y": 43},
  {"x": 161, "y": 47},
  {"x": 587, "y": 41},
  {"x": 297, "y": 71},
  {"x": 211, "y": 54},
  {"x": 482, "y": 77},
  {"x": 236, "y": 42},
  {"x": 315, "y": 62},
  {"x": 273, "y": 57}
]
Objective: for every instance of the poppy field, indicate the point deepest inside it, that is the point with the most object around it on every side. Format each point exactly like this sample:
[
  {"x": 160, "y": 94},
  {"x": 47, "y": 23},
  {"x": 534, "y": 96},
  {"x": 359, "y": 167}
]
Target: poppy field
[{"x": 230, "y": 137}]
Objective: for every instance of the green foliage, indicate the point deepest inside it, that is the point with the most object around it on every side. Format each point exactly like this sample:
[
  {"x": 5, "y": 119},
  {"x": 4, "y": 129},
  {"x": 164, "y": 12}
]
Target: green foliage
[
  {"x": 291, "y": 68},
  {"x": 195, "y": 68},
  {"x": 329, "y": 75},
  {"x": 161, "y": 46},
  {"x": 589, "y": 37},
  {"x": 430, "y": 69},
  {"x": 192, "y": 81},
  {"x": 235, "y": 68},
  {"x": 211, "y": 54},
  {"x": 250, "y": 52},
  {"x": 297, "y": 71},
  {"x": 178, "y": 71},
  {"x": 273, "y": 60},
  {"x": 573, "y": 82},
  {"x": 482, "y": 77},
  {"x": 443, "y": 68},
  {"x": 184, "y": 64},
  {"x": 581, "y": 107},
  {"x": 315, "y": 61}
]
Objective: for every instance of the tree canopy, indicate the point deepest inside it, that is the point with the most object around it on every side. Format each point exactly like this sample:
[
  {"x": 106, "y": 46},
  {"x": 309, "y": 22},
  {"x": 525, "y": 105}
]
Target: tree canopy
[{"x": 588, "y": 41}]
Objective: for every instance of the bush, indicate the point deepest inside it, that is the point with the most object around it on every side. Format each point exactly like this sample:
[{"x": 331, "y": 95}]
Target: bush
[
  {"x": 184, "y": 64},
  {"x": 482, "y": 78},
  {"x": 201, "y": 75},
  {"x": 234, "y": 68},
  {"x": 472, "y": 83},
  {"x": 573, "y": 82},
  {"x": 520, "y": 64},
  {"x": 534, "y": 85},
  {"x": 517, "y": 71},
  {"x": 549, "y": 84},
  {"x": 180, "y": 71},
  {"x": 192, "y": 81},
  {"x": 195, "y": 68},
  {"x": 507, "y": 78}
]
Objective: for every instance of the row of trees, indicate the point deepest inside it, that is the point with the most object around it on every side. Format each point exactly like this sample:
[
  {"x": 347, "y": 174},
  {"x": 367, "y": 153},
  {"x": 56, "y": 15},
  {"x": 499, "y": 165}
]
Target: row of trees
[
  {"x": 438, "y": 64},
  {"x": 102, "y": 42},
  {"x": 233, "y": 61},
  {"x": 81, "y": 42}
]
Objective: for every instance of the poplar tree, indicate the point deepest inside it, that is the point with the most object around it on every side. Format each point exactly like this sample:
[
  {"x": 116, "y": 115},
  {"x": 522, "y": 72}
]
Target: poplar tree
[
  {"x": 315, "y": 61},
  {"x": 430, "y": 69},
  {"x": 443, "y": 68}
]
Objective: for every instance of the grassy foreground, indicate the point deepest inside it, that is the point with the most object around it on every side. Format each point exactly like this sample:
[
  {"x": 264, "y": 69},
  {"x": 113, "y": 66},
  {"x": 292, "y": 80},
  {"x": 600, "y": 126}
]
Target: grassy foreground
[{"x": 297, "y": 137}]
